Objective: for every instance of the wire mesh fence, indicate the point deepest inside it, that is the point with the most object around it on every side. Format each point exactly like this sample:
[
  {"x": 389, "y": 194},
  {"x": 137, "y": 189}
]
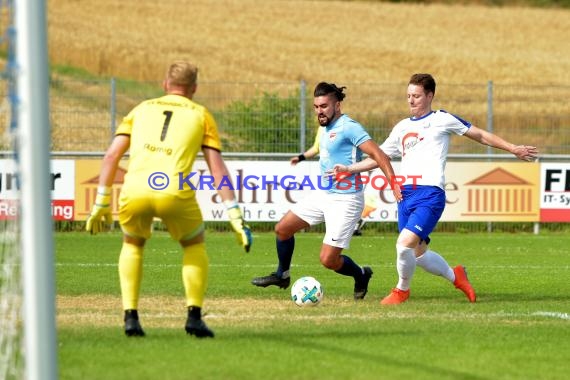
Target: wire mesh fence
[{"x": 275, "y": 118}]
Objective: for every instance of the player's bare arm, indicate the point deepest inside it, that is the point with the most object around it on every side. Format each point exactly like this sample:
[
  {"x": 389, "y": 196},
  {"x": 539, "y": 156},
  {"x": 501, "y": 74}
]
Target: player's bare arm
[
  {"x": 383, "y": 162},
  {"x": 100, "y": 217},
  {"x": 310, "y": 153},
  {"x": 363, "y": 166},
  {"x": 219, "y": 171},
  {"x": 522, "y": 152},
  {"x": 113, "y": 155}
]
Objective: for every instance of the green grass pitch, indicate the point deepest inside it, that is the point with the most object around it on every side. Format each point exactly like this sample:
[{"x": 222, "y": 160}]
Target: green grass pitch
[{"x": 518, "y": 329}]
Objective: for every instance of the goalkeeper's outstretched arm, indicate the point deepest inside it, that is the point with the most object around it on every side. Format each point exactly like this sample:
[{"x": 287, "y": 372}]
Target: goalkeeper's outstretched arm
[{"x": 220, "y": 172}]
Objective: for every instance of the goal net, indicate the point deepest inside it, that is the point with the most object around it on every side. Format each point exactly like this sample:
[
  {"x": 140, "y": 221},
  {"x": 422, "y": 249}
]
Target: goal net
[{"x": 11, "y": 325}]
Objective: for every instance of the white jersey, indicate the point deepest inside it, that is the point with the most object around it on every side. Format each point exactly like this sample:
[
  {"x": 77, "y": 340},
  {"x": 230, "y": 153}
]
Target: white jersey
[{"x": 423, "y": 145}]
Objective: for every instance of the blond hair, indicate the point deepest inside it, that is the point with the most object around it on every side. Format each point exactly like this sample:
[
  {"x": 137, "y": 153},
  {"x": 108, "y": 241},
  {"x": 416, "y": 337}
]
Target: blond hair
[{"x": 182, "y": 73}]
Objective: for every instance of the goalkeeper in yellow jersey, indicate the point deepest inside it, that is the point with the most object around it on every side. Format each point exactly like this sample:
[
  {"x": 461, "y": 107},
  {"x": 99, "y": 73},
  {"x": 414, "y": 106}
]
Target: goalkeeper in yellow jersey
[{"x": 164, "y": 135}]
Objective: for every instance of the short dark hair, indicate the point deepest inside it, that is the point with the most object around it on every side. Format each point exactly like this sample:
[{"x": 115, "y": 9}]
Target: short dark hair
[
  {"x": 325, "y": 88},
  {"x": 424, "y": 80}
]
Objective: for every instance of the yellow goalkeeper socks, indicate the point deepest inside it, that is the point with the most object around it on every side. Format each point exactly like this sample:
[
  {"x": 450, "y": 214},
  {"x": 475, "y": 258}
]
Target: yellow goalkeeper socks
[
  {"x": 130, "y": 275},
  {"x": 195, "y": 273}
]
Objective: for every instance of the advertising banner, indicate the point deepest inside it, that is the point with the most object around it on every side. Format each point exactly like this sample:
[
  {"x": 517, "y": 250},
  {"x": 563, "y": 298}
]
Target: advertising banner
[
  {"x": 492, "y": 191},
  {"x": 555, "y": 192},
  {"x": 61, "y": 185},
  {"x": 266, "y": 190},
  {"x": 476, "y": 191},
  {"x": 87, "y": 180}
]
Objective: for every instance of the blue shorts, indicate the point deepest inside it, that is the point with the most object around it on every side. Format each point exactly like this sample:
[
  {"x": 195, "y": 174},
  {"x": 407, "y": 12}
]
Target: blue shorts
[{"x": 421, "y": 209}]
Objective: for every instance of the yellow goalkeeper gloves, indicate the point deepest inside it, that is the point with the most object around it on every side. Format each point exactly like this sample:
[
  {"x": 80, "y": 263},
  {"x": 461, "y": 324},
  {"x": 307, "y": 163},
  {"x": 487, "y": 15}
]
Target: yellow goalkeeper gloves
[
  {"x": 101, "y": 212},
  {"x": 242, "y": 230}
]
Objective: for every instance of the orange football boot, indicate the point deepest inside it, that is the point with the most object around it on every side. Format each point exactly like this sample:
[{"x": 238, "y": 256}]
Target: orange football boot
[
  {"x": 462, "y": 283},
  {"x": 396, "y": 297}
]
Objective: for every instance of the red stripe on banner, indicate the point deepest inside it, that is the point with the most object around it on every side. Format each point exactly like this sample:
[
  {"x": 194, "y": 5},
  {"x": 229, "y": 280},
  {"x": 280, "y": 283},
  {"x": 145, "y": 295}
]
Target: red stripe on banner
[
  {"x": 8, "y": 209},
  {"x": 554, "y": 215},
  {"x": 62, "y": 209}
]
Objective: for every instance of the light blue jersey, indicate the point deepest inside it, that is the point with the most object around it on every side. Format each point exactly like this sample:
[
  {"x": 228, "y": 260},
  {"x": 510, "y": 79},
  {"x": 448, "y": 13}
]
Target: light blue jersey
[{"x": 339, "y": 145}]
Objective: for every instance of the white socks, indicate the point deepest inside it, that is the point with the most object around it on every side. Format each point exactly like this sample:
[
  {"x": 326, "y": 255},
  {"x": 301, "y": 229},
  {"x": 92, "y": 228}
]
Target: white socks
[
  {"x": 435, "y": 264},
  {"x": 406, "y": 265},
  {"x": 430, "y": 261}
]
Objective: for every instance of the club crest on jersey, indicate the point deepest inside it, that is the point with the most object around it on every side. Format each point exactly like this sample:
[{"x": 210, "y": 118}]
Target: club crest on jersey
[
  {"x": 332, "y": 136},
  {"x": 409, "y": 141}
]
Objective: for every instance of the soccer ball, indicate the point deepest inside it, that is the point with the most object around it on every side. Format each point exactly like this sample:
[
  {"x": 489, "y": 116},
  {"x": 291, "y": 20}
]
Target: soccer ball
[{"x": 307, "y": 291}]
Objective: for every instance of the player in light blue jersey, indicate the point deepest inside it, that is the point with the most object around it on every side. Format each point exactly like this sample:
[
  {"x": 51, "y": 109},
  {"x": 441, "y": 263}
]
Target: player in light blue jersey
[
  {"x": 340, "y": 143},
  {"x": 369, "y": 201},
  {"x": 340, "y": 205}
]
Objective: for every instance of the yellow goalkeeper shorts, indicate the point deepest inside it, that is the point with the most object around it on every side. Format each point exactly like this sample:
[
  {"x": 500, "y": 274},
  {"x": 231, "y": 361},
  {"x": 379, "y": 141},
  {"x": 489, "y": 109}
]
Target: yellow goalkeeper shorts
[{"x": 182, "y": 217}]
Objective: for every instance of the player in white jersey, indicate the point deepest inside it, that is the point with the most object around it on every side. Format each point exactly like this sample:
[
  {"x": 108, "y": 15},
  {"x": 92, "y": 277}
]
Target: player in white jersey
[
  {"x": 423, "y": 141},
  {"x": 339, "y": 203}
]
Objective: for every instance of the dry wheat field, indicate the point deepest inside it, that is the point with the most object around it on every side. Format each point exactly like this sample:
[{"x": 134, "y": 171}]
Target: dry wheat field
[{"x": 288, "y": 40}]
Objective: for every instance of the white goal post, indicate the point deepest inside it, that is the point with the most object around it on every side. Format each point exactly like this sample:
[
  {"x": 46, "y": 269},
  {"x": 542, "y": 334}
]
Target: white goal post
[{"x": 36, "y": 225}]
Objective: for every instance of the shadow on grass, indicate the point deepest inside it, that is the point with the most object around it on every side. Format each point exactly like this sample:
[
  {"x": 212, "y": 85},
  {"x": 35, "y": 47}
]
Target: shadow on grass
[{"x": 311, "y": 339}]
